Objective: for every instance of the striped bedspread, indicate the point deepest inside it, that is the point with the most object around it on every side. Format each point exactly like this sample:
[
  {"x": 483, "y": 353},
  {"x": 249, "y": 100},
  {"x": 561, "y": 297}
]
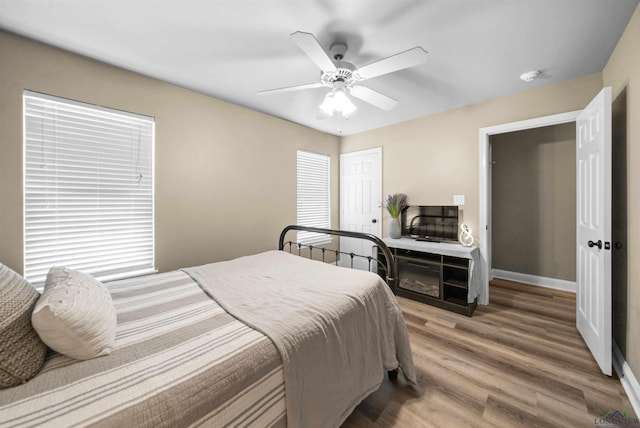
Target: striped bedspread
[{"x": 180, "y": 360}]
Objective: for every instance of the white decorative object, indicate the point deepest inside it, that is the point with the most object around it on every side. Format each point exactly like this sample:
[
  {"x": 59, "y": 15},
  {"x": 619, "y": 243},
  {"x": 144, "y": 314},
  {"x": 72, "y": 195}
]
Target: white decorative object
[
  {"x": 465, "y": 237},
  {"x": 75, "y": 315}
]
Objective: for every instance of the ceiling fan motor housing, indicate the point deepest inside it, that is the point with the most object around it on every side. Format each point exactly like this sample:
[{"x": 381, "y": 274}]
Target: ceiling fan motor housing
[
  {"x": 344, "y": 73},
  {"x": 338, "y": 50}
]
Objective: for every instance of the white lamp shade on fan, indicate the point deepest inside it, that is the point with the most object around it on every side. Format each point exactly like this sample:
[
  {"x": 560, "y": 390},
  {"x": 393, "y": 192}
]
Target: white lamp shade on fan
[{"x": 337, "y": 100}]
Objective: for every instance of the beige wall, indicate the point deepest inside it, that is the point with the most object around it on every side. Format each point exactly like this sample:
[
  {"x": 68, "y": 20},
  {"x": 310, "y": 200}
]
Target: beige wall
[
  {"x": 533, "y": 206},
  {"x": 622, "y": 73},
  {"x": 225, "y": 177},
  {"x": 435, "y": 157}
]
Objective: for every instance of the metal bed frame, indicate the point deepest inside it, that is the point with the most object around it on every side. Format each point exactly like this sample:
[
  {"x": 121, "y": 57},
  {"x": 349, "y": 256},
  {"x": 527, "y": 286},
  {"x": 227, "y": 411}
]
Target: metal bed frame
[{"x": 388, "y": 263}]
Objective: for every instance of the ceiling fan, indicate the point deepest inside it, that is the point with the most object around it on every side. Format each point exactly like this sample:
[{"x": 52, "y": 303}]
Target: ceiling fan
[{"x": 343, "y": 77}]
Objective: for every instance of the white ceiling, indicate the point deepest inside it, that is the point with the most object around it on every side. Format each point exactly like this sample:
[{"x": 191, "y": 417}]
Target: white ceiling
[{"x": 231, "y": 49}]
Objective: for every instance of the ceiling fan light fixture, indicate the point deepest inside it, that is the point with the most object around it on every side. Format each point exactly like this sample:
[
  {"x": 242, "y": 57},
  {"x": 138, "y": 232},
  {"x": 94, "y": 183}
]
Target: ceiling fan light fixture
[
  {"x": 342, "y": 103},
  {"x": 327, "y": 104},
  {"x": 337, "y": 100}
]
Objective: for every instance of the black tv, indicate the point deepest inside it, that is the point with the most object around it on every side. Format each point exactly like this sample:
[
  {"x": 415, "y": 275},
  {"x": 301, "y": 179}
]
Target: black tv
[{"x": 438, "y": 223}]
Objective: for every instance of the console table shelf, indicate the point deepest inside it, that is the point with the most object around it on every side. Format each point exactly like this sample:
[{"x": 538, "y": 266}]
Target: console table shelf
[{"x": 441, "y": 274}]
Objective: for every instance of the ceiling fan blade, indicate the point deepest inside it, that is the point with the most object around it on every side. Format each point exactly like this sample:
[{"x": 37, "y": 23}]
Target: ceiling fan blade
[
  {"x": 312, "y": 48},
  {"x": 373, "y": 97},
  {"x": 290, "y": 88},
  {"x": 405, "y": 59}
]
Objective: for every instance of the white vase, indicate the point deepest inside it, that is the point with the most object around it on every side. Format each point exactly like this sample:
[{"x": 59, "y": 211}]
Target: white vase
[{"x": 394, "y": 228}]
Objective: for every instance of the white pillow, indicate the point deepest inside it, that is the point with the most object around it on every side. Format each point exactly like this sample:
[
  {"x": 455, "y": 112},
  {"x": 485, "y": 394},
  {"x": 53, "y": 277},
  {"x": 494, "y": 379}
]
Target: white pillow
[{"x": 75, "y": 315}]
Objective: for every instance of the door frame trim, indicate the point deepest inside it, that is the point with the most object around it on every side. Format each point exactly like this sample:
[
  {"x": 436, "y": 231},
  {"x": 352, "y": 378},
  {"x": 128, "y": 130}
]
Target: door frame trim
[{"x": 484, "y": 144}]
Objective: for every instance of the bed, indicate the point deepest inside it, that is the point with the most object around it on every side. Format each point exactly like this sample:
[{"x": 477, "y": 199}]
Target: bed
[{"x": 271, "y": 339}]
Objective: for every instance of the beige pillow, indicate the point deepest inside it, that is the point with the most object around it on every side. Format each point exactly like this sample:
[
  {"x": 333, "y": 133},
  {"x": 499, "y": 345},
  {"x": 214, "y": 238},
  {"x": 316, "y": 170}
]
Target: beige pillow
[
  {"x": 21, "y": 350},
  {"x": 75, "y": 315}
]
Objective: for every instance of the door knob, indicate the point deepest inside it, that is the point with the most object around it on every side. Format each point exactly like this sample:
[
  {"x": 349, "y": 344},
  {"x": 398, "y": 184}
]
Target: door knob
[
  {"x": 374, "y": 220},
  {"x": 592, "y": 244}
]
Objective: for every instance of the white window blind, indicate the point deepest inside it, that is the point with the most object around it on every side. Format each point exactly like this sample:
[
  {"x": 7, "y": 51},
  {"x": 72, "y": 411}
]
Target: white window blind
[
  {"x": 313, "y": 196},
  {"x": 88, "y": 189}
]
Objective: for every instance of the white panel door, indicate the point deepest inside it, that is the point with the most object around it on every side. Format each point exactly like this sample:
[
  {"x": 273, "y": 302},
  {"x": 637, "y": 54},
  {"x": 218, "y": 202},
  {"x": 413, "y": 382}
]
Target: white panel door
[
  {"x": 593, "y": 271},
  {"x": 360, "y": 202}
]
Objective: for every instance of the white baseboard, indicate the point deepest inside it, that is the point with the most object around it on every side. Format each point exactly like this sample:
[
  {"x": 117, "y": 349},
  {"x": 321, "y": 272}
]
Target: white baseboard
[
  {"x": 627, "y": 379},
  {"x": 542, "y": 281}
]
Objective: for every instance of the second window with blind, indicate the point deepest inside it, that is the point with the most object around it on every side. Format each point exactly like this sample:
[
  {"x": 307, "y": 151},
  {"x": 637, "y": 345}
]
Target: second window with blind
[{"x": 314, "y": 199}]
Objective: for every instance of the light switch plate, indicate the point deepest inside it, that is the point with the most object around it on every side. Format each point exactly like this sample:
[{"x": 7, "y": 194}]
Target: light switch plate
[{"x": 458, "y": 199}]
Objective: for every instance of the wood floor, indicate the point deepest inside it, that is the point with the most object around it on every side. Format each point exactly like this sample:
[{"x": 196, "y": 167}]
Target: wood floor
[{"x": 518, "y": 362}]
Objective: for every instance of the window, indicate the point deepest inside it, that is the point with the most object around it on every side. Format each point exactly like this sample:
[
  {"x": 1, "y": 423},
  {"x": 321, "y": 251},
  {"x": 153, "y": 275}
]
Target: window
[
  {"x": 88, "y": 189},
  {"x": 313, "y": 196}
]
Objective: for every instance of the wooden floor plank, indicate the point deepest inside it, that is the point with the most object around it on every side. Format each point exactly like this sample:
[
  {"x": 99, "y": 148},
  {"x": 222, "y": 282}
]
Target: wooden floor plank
[
  {"x": 560, "y": 414},
  {"x": 518, "y": 362}
]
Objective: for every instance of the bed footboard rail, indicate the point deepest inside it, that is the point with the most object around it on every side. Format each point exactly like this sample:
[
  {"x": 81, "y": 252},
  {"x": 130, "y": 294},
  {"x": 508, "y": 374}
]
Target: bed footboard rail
[{"x": 389, "y": 262}]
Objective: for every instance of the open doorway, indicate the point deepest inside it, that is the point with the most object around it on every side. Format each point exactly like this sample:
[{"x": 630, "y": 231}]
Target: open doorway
[
  {"x": 595, "y": 184},
  {"x": 533, "y": 206},
  {"x": 485, "y": 183}
]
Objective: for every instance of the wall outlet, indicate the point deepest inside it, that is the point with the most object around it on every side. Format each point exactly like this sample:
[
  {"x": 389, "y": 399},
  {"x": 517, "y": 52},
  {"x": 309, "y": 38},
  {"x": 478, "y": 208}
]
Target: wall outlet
[{"x": 458, "y": 199}]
